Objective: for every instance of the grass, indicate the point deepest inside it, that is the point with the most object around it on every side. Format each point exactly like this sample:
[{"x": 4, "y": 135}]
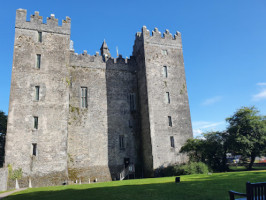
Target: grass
[{"x": 192, "y": 187}]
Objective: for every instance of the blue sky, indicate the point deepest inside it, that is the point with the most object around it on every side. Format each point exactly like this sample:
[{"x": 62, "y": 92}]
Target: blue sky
[{"x": 224, "y": 45}]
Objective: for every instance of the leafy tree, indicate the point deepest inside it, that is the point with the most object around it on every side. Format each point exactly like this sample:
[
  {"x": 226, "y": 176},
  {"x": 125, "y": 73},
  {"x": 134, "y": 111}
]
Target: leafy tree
[
  {"x": 247, "y": 133},
  {"x": 211, "y": 149},
  {"x": 3, "y": 126},
  {"x": 3, "y": 122}
]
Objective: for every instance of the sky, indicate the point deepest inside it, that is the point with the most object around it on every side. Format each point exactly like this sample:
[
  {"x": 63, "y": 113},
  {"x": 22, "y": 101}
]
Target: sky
[{"x": 224, "y": 45}]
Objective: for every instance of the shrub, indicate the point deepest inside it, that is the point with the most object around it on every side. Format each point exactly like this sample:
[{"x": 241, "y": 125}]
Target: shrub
[{"x": 185, "y": 169}]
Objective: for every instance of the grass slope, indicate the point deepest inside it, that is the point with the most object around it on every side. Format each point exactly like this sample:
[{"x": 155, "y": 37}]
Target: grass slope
[{"x": 192, "y": 187}]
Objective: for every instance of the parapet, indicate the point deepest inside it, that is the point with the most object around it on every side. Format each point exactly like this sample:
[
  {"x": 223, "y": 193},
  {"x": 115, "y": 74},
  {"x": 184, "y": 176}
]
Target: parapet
[
  {"x": 36, "y": 23},
  {"x": 156, "y": 33},
  {"x": 97, "y": 61},
  {"x": 167, "y": 39}
]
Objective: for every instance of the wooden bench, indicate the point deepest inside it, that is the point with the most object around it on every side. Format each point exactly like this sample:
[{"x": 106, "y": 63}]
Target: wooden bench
[{"x": 254, "y": 191}]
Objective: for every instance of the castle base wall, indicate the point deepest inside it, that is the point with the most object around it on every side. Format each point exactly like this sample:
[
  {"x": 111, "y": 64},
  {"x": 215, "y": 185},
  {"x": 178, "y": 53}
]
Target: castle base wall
[
  {"x": 3, "y": 179},
  {"x": 56, "y": 178},
  {"x": 89, "y": 174}
]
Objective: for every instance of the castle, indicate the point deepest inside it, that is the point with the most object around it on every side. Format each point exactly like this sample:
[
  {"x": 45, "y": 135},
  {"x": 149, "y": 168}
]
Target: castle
[{"x": 90, "y": 117}]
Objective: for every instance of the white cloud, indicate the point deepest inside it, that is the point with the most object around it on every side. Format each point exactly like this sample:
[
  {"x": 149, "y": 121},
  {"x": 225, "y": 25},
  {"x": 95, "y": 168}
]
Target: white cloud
[
  {"x": 261, "y": 84},
  {"x": 197, "y": 132},
  {"x": 260, "y": 96},
  {"x": 200, "y": 127},
  {"x": 211, "y": 100}
]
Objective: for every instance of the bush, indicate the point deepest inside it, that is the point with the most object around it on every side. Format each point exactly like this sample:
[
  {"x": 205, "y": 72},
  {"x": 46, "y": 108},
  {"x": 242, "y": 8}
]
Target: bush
[{"x": 185, "y": 169}]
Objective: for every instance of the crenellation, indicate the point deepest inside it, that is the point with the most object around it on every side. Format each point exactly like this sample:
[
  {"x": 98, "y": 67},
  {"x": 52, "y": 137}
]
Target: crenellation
[
  {"x": 156, "y": 33},
  {"x": 167, "y": 35},
  {"x": 52, "y": 21},
  {"x": 36, "y": 18},
  {"x": 36, "y": 23}
]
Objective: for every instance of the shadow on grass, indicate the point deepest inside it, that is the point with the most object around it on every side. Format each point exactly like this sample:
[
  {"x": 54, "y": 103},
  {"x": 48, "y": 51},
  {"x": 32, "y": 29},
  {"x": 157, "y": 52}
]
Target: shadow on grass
[{"x": 194, "y": 188}]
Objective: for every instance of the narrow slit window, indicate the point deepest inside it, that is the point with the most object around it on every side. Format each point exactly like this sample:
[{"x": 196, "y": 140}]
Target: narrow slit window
[
  {"x": 172, "y": 141},
  {"x": 121, "y": 142},
  {"x": 84, "y": 97},
  {"x": 165, "y": 72},
  {"x": 34, "y": 149},
  {"x": 167, "y": 97},
  {"x": 38, "y": 64},
  {"x": 39, "y": 36},
  {"x": 36, "y": 122},
  {"x": 37, "y": 93},
  {"x": 132, "y": 99},
  {"x": 170, "y": 121}
]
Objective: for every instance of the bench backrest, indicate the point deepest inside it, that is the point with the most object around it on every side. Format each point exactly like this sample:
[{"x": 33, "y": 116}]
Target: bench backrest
[{"x": 256, "y": 191}]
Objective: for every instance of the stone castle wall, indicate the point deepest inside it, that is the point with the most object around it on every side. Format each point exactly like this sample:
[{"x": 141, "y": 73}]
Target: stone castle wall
[
  {"x": 167, "y": 96},
  {"x": 125, "y": 102}
]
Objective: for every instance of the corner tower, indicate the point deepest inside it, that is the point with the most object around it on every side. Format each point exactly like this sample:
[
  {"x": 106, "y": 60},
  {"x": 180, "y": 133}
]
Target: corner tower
[
  {"x": 164, "y": 107},
  {"x": 39, "y": 99}
]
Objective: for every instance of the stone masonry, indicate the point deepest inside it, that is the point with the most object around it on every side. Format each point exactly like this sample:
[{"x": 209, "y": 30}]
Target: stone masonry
[{"x": 85, "y": 117}]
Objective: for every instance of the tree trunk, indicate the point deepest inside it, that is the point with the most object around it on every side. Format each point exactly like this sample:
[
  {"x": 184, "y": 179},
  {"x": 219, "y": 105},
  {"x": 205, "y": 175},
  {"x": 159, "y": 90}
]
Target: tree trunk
[{"x": 252, "y": 159}]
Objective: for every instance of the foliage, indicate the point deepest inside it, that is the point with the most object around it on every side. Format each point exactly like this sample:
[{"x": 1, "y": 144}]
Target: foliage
[
  {"x": 192, "y": 187},
  {"x": 14, "y": 174},
  {"x": 211, "y": 150},
  {"x": 247, "y": 133},
  {"x": 3, "y": 122},
  {"x": 3, "y": 126},
  {"x": 185, "y": 169}
]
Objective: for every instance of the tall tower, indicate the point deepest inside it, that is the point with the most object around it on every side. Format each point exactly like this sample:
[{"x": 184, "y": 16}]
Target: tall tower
[
  {"x": 165, "y": 114},
  {"x": 39, "y": 99}
]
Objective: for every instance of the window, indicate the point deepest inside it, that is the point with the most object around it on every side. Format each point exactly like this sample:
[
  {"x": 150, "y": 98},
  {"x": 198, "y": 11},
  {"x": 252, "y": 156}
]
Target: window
[
  {"x": 129, "y": 124},
  {"x": 34, "y": 149},
  {"x": 132, "y": 99},
  {"x": 84, "y": 97},
  {"x": 167, "y": 97},
  {"x": 170, "y": 121},
  {"x": 35, "y": 122},
  {"x": 39, "y": 36},
  {"x": 38, "y": 64},
  {"x": 165, "y": 73},
  {"x": 121, "y": 142},
  {"x": 37, "y": 93},
  {"x": 172, "y": 141},
  {"x": 164, "y": 52}
]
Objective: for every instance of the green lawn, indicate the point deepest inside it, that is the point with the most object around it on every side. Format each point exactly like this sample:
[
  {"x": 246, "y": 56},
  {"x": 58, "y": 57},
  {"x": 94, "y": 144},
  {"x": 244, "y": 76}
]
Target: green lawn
[{"x": 192, "y": 187}]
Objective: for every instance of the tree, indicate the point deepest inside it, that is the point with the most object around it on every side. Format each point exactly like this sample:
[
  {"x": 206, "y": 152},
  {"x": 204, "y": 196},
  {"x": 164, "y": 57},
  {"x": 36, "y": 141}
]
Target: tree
[
  {"x": 3, "y": 126},
  {"x": 3, "y": 122},
  {"x": 247, "y": 133},
  {"x": 211, "y": 150}
]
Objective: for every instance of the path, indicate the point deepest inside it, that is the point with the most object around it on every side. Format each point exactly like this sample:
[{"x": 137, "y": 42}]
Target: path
[{"x": 5, "y": 194}]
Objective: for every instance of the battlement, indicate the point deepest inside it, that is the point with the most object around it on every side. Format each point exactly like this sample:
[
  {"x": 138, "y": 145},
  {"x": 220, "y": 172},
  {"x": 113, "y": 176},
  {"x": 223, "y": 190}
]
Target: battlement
[
  {"x": 97, "y": 61},
  {"x": 36, "y": 23},
  {"x": 156, "y": 33},
  {"x": 156, "y": 37}
]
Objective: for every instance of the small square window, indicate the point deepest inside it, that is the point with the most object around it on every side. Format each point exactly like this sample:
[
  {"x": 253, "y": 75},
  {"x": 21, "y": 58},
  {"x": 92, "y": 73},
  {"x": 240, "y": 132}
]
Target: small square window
[
  {"x": 172, "y": 141},
  {"x": 37, "y": 93},
  {"x": 121, "y": 142},
  {"x": 130, "y": 124},
  {"x": 170, "y": 121},
  {"x": 165, "y": 72},
  {"x": 164, "y": 52},
  {"x": 167, "y": 97},
  {"x": 38, "y": 63},
  {"x": 132, "y": 99},
  {"x": 39, "y": 36},
  {"x": 84, "y": 97},
  {"x": 35, "y": 122},
  {"x": 34, "y": 149}
]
